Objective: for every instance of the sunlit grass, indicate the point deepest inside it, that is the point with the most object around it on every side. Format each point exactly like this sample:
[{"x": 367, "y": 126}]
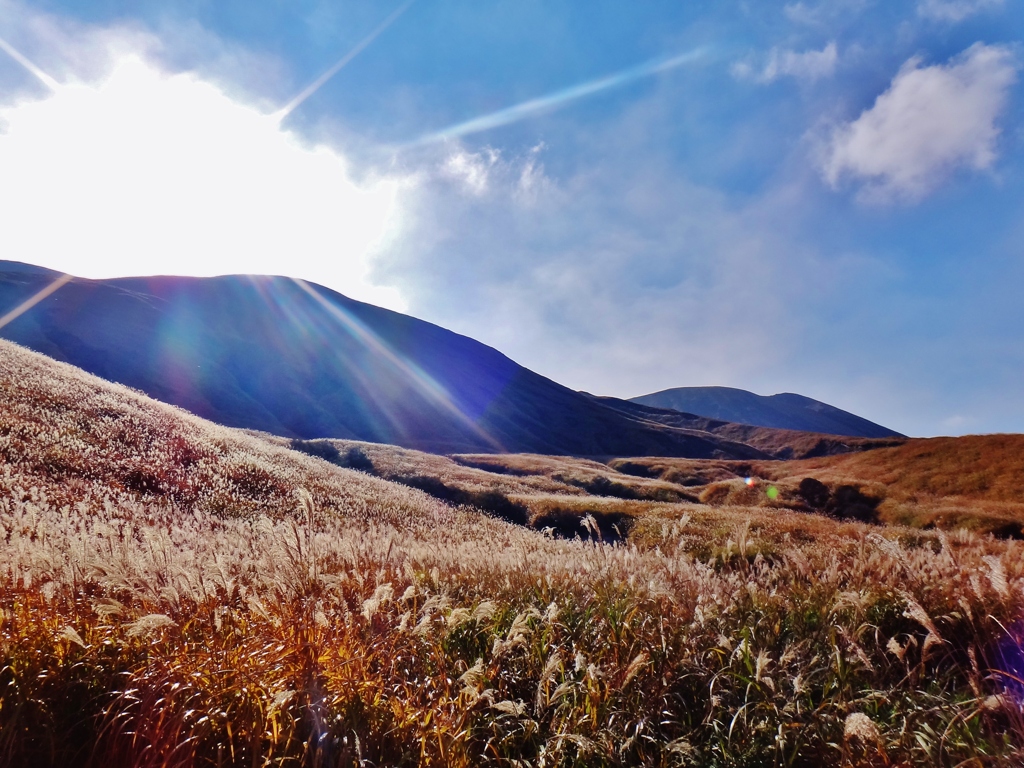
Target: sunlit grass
[{"x": 264, "y": 607}]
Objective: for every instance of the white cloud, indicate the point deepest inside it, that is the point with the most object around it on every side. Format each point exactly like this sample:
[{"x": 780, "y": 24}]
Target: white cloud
[
  {"x": 473, "y": 169},
  {"x": 954, "y": 10},
  {"x": 131, "y": 170},
  {"x": 617, "y": 278},
  {"x": 824, "y": 14},
  {"x": 809, "y": 65},
  {"x": 929, "y": 122}
]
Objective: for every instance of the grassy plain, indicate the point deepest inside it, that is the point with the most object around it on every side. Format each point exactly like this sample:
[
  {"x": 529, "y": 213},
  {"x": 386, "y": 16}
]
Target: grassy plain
[{"x": 175, "y": 593}]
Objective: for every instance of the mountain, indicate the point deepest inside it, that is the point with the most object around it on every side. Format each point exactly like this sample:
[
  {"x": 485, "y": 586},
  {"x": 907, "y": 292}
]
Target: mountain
[
  {"x": 784, "y": 411},
  {"x": 301, "y": 361},
  {"x": 777, "y": 443}
]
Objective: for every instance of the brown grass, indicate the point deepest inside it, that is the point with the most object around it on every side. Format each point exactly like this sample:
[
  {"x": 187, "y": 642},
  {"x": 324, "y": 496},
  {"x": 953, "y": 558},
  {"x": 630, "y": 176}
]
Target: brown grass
[
  {"x": 964, "y": 482},
  {"x": 975, "y": 467},
  {"x": 208, "y": 618}
]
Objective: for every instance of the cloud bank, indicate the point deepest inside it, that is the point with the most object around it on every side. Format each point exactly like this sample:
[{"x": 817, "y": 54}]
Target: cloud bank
[
  {"x": 613, "y": 277},
  {"x": 930, "y": 122}
]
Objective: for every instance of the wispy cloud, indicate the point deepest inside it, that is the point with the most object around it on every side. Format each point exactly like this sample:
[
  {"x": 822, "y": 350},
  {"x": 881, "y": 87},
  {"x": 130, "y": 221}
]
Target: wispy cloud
[
  {"x": 824, "y": 13},
  {"x": 955, "y": 10},
  {"x": 929, "y": 122},
  {"x": 562, "y": 272},
  {"x": 804, "y": 65}
]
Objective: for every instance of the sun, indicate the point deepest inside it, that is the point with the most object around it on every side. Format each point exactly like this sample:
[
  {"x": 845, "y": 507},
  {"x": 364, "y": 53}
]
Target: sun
[{"x": 149, "y": 172}]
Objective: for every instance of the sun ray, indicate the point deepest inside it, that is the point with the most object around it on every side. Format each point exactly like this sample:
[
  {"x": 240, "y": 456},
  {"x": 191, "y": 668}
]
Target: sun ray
[
  {"x": 313, "y": 87},
  {"x": 19, "y": 57},
  {"x": 557, "y": 99},
  {"x": 30, "y": 302},
  {"x": 433, "y": 390}
]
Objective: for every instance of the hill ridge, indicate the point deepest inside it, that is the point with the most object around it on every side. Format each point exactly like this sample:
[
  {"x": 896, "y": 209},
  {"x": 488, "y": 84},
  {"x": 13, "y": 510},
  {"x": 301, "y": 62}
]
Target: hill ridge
[
  {"x": 784, "y": 410},
  {"x": 299, "y": 360}
]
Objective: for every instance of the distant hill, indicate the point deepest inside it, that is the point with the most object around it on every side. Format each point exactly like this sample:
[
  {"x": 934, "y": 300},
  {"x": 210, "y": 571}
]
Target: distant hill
[
  {"x": 301, "y": 361},
  {"x": 777, "y": 443},
  {"x": 784, "y": 411}
]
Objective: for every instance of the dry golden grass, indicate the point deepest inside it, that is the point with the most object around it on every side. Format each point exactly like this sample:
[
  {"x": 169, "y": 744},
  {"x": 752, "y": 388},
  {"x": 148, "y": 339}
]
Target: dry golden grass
[
  {"x": 788, "y": 444},
  {"x": 965, "y": 482},
  {"x": 591, "y": 476},
  {"x": 78, "y": 438},
  {"x": 775, "y": 443},
  {"x": 396, "y": 463},
  {"x": 202, "y": 619},
  {"x": 976, "y": 467}
]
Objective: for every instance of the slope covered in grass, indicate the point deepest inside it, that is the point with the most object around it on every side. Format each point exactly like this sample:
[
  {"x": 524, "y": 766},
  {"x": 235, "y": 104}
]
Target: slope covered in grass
[
  {"x": 74, "y": 437},
  {"x": 947, "y": 482},
  {"x": 204, "y": 619},
  {"x": 975, "y": 480},
  {"x": 973, "y": 467},
  {"x": 774, "y": 442}
]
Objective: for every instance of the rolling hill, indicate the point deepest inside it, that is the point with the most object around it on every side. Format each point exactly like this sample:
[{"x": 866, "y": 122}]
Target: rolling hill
[
  {"x": 783, "y": 411},
  {"x": 298, "y": 360}
]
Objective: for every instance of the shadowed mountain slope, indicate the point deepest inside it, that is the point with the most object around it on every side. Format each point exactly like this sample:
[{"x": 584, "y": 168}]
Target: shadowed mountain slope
[
  {"x": 777, "y": 443},
  {"x": 784, "y": 411},
  {"x": 298, "y": 360}
]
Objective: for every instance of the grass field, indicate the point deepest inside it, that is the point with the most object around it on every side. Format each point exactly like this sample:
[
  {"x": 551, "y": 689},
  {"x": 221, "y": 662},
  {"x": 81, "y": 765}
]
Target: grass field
[{"x": 175, "y": 593}]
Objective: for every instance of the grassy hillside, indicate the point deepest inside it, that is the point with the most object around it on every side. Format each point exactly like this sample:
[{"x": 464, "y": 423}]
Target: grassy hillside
[
  {"x": 772, "y": 442},
  {"x": 945, "y": 482},
  {"x": 173, "y": 593}
]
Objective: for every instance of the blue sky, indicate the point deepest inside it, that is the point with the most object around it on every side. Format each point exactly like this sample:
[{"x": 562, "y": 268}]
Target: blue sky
[{"x": 824, "y": 198}]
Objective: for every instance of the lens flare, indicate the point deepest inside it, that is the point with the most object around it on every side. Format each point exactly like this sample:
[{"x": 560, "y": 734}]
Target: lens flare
[
  {"x": 1009, "y": 662},
  {"x": 559, "y": 98},
  {"x": 425, "y": 383},
  {"x": 19, "y": 57},
  {"x": 315, "y": 86},
  {"x": 30, "y": 302}
]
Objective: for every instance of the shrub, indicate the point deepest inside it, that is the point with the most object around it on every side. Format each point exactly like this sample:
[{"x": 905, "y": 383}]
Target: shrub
[
  {"x": 354, "y": 458},
  {"x": 493, "y": 503},
  {"x": 848, "y": 502},
  {"x": 590, "y": 524},
  {"x": 814, "y": 492}
]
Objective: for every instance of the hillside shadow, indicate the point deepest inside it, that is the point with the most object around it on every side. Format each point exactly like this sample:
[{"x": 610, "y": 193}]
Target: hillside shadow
[
  {"x": 611, "y": 527},
  {"x": 846, "y": 502}
]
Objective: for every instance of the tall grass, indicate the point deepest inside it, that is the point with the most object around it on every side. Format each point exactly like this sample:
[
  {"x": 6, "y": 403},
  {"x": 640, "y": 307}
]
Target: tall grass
[
  {"x": 250, "y": 605},
  {"x": 137, "y": 635}
]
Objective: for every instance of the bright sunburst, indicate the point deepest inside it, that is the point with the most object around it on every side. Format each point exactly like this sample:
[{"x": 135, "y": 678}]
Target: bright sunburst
[{"x": 149, "y": 173}]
